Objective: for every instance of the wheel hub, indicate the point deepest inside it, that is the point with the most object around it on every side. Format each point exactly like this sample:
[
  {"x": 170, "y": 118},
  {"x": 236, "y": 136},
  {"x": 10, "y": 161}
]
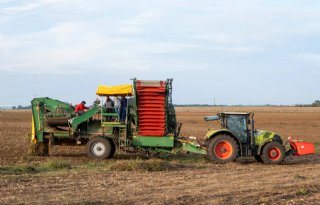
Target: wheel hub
[
  {"x": 98, "y": 149},
  {"x": 274, "y": 153},
  {"x": 223, "y": 150}
]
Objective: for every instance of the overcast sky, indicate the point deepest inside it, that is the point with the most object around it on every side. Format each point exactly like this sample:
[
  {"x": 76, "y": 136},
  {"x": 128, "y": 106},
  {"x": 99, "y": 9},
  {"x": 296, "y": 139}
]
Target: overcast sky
[{"x": 233, "y": 51}]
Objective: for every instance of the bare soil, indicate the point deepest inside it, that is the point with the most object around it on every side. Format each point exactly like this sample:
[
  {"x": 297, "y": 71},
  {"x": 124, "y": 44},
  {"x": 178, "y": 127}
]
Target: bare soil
[{"x": 296, "y": 181}]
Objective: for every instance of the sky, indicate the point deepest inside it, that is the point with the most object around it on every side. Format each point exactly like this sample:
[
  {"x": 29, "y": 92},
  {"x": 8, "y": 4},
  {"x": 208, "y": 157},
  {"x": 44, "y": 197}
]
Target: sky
[{"x": 250, "y": 52}]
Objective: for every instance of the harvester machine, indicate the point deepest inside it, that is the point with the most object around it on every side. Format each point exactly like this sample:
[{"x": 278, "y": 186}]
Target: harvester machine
[{"x": 149, "y": 124}]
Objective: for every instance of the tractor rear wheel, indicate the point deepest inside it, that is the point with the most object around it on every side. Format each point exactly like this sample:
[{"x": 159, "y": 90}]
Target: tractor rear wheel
[
  {"x": 222, "y": 149},
  {"x": 100, "y": 148},
  {"x": 273, "y": 153}
]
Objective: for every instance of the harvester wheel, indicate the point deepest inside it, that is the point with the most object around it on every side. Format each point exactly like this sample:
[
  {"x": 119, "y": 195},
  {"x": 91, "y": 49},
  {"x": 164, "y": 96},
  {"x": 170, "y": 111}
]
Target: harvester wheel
[
  {"x": 113, "y": 148},
  {"x": 222, "y": 149},
  {"x": 273, "y": 153},
  {"x": 100, "y": 148}
]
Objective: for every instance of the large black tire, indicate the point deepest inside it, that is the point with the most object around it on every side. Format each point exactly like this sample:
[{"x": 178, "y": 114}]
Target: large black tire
[
  {"x": 222, "y": 149},
  {"x": 273, "y": 153},
  {"x": 113, "y": 148},
  {"x": 100, "y": 148}
]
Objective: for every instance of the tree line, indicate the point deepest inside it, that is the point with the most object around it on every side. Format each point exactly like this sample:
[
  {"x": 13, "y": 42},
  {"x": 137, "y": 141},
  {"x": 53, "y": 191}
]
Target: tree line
[{"x": 316, "y": 103}]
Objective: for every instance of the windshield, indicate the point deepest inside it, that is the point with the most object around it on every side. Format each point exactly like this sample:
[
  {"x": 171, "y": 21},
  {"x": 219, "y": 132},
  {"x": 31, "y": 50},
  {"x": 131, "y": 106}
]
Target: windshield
[{"x": 237, "y": 124}]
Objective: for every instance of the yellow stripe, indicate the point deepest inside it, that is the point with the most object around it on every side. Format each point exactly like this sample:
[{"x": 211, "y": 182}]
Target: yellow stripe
[{"x": 33, "y": 133}]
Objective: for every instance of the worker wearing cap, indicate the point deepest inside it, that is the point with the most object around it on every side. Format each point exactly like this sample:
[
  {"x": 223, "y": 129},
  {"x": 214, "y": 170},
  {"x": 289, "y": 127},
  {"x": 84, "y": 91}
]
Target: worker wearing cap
[{"x": 80, "y": 108}]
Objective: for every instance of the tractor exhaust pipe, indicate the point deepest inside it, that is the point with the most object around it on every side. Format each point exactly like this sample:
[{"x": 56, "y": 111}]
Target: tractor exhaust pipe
[{"x": 253, "y": 147}]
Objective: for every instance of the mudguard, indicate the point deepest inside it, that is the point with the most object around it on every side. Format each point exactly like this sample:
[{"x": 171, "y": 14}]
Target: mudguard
[{"x": 262, "y": 137}]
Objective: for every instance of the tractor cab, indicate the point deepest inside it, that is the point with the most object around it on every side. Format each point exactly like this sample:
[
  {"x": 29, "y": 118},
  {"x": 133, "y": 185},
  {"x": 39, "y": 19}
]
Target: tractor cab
[{"x": 236, "y": 122}]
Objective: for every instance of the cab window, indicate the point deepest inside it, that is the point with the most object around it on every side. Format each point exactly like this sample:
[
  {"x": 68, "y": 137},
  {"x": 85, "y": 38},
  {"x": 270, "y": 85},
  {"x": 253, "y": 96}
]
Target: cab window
[{"x": 237, "y": 124}]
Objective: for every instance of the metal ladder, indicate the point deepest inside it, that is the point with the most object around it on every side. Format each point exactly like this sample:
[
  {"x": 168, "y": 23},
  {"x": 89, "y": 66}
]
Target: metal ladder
[{"x": 123, "y": 138}]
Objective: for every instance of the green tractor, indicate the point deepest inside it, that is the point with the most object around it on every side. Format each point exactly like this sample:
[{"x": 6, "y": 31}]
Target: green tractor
[{"x": 238, "y": 137}]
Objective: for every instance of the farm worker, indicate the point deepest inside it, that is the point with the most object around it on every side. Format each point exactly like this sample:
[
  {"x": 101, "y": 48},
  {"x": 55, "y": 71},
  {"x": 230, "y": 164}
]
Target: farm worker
[
  {"x": 124, "y": 103},
  {"x": 80, "y": 108},
  {"x": 117, "y": 105},
  {"x": 96, "y": 102},
  {"x": 109, "y": 105}
]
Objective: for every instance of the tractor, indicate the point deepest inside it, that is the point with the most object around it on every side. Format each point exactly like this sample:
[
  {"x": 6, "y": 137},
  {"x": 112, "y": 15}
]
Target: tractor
[
  {"x": 238, "y": 137},
  {"x": 150, "y": 125}
]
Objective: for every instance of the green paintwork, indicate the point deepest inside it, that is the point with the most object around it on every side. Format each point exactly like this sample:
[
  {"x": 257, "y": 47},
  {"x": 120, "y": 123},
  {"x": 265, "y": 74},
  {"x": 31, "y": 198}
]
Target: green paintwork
[
  {"x": 75, "y": 122},
  {"x": 210, "y": 133},
  {"x": 45, "y": 105},
  {"x": 61, "y": 134},
  {"x": 46, "y": 108},
  {"x": 94, "y": 128},
  {"x": 162, "y": 150},
  {"x": 191, "y": 147},
  {"x": 110, "y": 114},
  {"x": 151, "y": 141},
  {"x": 263, "y": 137},
  {"x": 112, "y": 124}
]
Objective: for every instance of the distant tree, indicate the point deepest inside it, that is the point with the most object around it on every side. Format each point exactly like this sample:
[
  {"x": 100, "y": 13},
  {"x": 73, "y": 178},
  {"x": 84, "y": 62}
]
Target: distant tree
[
  {"x": 316, "y": 103},
  {"x": 20, "y": 107}
]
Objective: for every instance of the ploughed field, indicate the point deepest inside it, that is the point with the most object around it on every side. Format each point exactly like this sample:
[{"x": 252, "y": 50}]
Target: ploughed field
[{"x": 69, "y": 177}]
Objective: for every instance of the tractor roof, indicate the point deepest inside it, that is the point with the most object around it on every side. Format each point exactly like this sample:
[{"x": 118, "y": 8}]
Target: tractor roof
[
  {"x": 222, "y": 114},
  {"x": 234, "y": 113}
]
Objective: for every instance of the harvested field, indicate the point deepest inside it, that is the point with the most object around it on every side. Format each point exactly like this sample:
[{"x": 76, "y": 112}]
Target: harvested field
[{"x": 69, "y": 177}]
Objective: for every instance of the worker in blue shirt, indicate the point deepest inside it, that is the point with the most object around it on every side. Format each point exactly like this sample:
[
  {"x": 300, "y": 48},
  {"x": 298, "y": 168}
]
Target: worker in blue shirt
[{"x": 124, "y": 103}]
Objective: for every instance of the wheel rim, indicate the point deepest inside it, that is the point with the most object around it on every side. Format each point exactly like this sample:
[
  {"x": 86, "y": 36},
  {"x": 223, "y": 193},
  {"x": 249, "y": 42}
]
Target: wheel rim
[
  {"x": 223, "y": 150},
  {"x": 274, "y": 153},
  {"x": 98, "y": 149}
]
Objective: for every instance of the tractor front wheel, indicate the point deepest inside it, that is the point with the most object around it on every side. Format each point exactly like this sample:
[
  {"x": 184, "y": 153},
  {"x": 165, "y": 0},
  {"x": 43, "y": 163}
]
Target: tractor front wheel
[
  {"x": 100, "y": 148},
  {"x": 273, "y": 153},
  {"x": 222, "y": 149}
]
